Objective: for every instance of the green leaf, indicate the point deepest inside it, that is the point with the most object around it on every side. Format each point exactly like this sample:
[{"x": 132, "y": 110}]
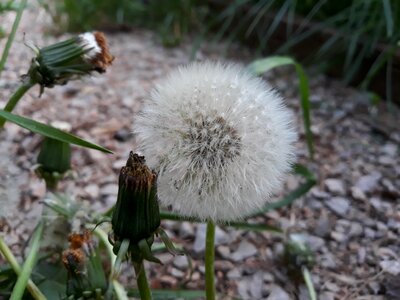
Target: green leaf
[
  {"x": 170, "y": 294},
  {"x": 261, "y": 66},
  {"x": 50, "y": 132}
]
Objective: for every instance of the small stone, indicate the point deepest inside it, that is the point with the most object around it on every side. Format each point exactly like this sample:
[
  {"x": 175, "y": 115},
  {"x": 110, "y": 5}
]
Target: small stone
[
  {"x": 234, "y": 274},
  {"x": 369, "y": 183},
  {"x": 177, "y": 273},
  {"x": 327, "y": 296},
  {"x": 92, "y": 190},
  {"x": 369, "y": 233},
  {"x": 339, "y": 236},
  {"x": 255, "y": 286},
  {"x": 390, "y": 149},
  {"x": 333, "y": 287},
  {"x": 181, "y": 261},
  {"x": 317, "y": 193},
  {"x": 314, "y": 242},
  {"x": 324, "y": 226},
  {"x": 109, "y": 189},
  {"x": 122, "y": 135},
  {"x": 268, "y": 277},
  {"x": 224, "y": 251},
  {"x": 356, "y": 229},
  {"x": 277, "y": 293},
  {"x": 186, "y": 230},
  {"x": 338, "y": 205},
  {"x": 242, "y": 289},
  {"x": 335, "y": 186},
  {"x": 328, "y": 261},
  {"x": 391, "y": 266},
  {"x": 221, "y": 237},
  {"x": 357, "y": 194},
  {"x": 245, "y": 250},
  {"x": 386, "y": 160}
]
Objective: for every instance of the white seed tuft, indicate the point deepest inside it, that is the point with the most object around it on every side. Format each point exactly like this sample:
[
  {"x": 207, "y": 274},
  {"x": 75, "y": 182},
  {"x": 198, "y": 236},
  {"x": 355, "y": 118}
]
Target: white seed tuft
[
  {"x": 88, "y": 41},
  {"x": 220, "y": 138}
]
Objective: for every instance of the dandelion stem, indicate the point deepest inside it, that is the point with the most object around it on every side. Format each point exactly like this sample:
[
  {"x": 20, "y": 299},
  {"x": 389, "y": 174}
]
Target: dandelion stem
[
  {"x": 209, "y": 261},
  {"x": 142, "y": 283},
  {"x": 31, "y": 287},
  {"x": 22, "y": 89}
]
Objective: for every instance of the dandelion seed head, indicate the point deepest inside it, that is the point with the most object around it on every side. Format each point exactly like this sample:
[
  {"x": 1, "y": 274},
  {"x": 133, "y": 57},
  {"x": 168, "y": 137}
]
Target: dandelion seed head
[{"x": 221, "y": 140}]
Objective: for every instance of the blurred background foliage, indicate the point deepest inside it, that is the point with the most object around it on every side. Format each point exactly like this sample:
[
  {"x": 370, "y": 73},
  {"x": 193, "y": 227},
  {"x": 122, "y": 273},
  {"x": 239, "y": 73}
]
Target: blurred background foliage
[{"x": 357, "y": 41}]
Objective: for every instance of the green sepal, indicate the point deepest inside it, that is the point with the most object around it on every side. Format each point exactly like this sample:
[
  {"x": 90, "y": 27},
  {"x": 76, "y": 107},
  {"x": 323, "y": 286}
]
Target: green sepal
[
  {"x": 146, "y": 252},
  {"x": 169, "y": 245}
]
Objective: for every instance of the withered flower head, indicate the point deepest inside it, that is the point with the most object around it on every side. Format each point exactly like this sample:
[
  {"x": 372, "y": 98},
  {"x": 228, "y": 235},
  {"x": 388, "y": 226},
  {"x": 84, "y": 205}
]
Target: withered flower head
[
  {"x": 63, "y": 61},
  {"x": 74, "y": 260},
  {"x": 136, "y": 214}
]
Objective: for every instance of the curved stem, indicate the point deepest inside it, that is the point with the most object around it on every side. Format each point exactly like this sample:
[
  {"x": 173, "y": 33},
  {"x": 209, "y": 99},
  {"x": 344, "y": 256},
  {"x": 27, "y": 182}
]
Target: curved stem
[
  {"x": 10, "y": 258},
  {"x": 23, "y": 88},
  {"x": 12, "y": 34},
  {"x": 209, "y": 261},
  {"x": 142, "y": 283}
]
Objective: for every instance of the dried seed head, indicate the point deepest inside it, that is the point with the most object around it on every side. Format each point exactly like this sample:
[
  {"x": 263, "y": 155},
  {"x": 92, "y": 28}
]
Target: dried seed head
[{"x": 220, "y": 138}]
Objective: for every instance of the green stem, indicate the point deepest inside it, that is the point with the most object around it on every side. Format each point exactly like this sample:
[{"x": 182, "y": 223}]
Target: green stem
[
  {"x": 32, "y": 288},
  {"x": 28, "y": 266},
  {"x": 141, "y": 279},
  {"x": 12, "y": 34},
  {"x": 309, "y": 283},
  {"x": 23, "y": 88},
  {"x": 209, "y": 261}
]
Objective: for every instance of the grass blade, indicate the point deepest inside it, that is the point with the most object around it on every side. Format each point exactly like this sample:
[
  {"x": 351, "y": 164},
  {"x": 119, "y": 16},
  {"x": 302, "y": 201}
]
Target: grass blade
[
  {"x": 261, "y": 66},
  {"x": 387, "y": 9},
  {"x": 12, "y": 34},
  {"x": 51, "y": 132},
  {"x": 30, "y": 262}
]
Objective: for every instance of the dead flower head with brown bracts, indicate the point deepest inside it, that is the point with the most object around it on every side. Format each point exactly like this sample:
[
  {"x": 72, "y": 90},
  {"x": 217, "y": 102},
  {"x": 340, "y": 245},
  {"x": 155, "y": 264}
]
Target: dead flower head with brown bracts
[{"x": 68, "y": 60}]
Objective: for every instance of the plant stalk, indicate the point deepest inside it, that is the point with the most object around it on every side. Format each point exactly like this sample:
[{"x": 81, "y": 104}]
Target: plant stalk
[
  {"x": 142, "y": 283},
  {"x": 10, "y": 258},
  {"x": 22, "y": 89},
  {"x": 12, "y": 34},
  {"x": 309, "y": 283},
  {"x": 209, "y": 261},
  {"x": 29, "y": 264}
]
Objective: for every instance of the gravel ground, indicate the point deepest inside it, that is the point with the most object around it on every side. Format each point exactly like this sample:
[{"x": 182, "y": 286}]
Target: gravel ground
[{"x": 351, "y": 219}]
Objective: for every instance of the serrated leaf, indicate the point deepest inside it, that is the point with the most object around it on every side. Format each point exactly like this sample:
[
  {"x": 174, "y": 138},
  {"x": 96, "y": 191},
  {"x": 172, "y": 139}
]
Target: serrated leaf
[{"x": 50, "y": 132}]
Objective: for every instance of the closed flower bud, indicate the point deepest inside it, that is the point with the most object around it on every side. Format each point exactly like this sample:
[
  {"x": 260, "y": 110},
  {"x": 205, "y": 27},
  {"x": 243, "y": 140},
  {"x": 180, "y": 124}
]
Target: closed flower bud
[
  {"x": 136, "y": 215},
  {"x": 54, "y": 159},
  {"x": 58, "y": 63}
]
